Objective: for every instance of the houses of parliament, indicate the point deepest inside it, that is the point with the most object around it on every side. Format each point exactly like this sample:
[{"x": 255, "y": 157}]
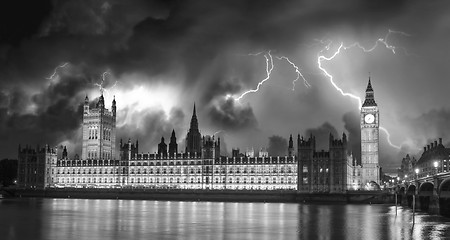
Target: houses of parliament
[{"x": 200, "y": 165}]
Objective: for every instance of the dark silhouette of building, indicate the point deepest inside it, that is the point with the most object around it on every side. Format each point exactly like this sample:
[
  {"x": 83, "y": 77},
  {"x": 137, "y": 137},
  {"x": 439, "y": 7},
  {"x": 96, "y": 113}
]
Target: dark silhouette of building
[
  {"x": 173, "y": 146},
  {"x": 210, "y": 147},
  {"x": 128, "y": 150},
  {"x": 322, "y": 171},
  {"x": 291, "y": 147},
  {"x": 162, "y": 148},
  {"x": 35, "y": 166},
  {"x": 194, "y": 138},
  {"x": 8, "y": 172}
]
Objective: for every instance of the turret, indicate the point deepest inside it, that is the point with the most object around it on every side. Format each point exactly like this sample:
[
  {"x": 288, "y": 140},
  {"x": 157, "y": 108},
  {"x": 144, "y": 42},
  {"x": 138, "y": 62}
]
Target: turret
[
  {"x": 113, "y": 108},
  {"x": 162, "y": 148},
  {"x": 101, "y": 102},
  {"x": 173, "y": 146},
  {"x": 291, "y": 147},
  {"x": 86, "y": 105},
  {"x": 64, "y": 153}
]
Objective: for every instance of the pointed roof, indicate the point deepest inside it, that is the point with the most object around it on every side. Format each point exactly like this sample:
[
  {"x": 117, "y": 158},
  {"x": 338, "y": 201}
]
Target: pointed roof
[
  {"x": 194, "y": 113},
  {"x": 194, "y": 121},
  {"x": 369, "y": 87},
  {"x": 370, "y": 99},
  {"x": 101, "y": 102}
]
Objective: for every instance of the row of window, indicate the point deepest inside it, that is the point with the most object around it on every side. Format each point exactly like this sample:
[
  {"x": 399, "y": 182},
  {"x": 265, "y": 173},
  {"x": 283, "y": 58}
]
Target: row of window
[
  {"x": 179, "y": 180},
  {"x": 93, "y": 155},
  {"x": 93, "y": 134},
  {"x": 175, "y": 171}
]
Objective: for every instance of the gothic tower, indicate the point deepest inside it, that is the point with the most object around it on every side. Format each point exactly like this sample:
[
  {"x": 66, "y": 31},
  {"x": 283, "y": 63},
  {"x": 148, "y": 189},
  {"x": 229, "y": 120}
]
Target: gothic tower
[
  {"x": 194, "y": 138},
  {"x": 173, "y": 146},
  {"x": 99, "y": 131},
  {"x": 291, "y": 147},
  {"x": 369, "y": 139}
]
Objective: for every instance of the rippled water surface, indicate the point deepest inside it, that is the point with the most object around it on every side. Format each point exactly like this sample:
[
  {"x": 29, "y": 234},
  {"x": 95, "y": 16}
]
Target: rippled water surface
[{"x": 137, "y": 219}]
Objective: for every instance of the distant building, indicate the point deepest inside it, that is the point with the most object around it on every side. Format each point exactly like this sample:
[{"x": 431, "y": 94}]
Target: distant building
[
  {"x": 407, "y": 167},
  {"x": 263, "y": 153},
  {"x": 250, "y": 152}
]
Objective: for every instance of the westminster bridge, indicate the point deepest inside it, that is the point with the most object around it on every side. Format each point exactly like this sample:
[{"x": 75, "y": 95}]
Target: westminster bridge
[{"x": 430, "y": 193}]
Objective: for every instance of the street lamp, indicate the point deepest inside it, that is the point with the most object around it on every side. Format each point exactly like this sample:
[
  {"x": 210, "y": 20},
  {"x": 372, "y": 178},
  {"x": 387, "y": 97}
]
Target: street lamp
[
  {"x": 414, "y": 196},
  {"x": 436, "y": 164}
]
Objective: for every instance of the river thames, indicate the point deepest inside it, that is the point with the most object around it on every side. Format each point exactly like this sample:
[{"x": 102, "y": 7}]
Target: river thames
[{"x": 138, "y": 219}]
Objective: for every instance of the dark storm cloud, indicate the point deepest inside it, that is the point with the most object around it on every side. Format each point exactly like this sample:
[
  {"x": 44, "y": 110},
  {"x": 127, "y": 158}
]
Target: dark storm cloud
[
  {"x": 153, "y": 126},
  {"x": 22, "y": 19},
  {"x": 430, "y": 126},
  {"x": 191, "y": 40},
  {"x": 352, "y": 125},
  {"x": 230, "y": 116},
  {"x": 322, "y": 134},
  {"x": 278, "y": 146}
]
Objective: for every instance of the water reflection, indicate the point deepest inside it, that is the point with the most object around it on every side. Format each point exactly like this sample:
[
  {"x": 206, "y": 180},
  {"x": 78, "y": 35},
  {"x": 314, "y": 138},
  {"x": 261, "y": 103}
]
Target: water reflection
[{"x": 136, "y": 219}]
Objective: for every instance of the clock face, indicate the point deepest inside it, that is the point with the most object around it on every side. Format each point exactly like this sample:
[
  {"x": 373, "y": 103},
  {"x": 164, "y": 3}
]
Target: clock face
[{"x": 369, "y": 118}]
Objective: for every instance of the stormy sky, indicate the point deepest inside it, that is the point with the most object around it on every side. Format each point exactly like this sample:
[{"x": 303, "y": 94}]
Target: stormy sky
[{"x": 162, "y": 56}]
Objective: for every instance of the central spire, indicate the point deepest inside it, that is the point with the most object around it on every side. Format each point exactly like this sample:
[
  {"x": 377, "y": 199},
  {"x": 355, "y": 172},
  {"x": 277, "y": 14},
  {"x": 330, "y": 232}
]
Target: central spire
[
  {"x": 193, "y": 138},
  {"x": 194, "y": 121},
  {"x": 194, "y": 113}
]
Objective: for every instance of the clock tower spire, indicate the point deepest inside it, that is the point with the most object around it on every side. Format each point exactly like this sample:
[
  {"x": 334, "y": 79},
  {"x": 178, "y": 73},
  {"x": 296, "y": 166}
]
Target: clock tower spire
[{"x": 370, "y": 140}]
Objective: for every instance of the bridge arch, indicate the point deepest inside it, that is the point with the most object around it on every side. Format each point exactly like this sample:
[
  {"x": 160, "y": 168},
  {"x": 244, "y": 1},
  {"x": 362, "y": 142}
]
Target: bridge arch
[
  {"x": 425, "y": 195},
  {"x": 411, "y": 190},
  {"x": 444, "y": 197},
  {"x": 401, "y": 193}
]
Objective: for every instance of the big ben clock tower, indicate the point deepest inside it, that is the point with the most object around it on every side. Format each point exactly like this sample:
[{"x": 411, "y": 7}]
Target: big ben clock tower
[{"x": 370, "y": 123}]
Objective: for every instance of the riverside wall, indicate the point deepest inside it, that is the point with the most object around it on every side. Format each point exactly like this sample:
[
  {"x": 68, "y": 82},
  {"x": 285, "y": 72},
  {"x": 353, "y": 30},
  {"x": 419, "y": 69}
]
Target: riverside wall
[{"x": 209, "y": 195}]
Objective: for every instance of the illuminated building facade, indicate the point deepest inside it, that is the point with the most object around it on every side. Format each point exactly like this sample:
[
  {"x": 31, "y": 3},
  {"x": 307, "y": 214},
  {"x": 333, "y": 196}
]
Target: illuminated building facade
[
  {"x": 99, "y": 131},
  {"x": 435, "y": 159},
  {"x": 200, "y": 167}
]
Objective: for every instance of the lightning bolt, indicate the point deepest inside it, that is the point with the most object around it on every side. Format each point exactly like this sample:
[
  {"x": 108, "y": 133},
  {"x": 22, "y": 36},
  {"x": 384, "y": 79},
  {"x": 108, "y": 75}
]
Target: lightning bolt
[
  {"x": 297, "y": 70},
  {"x": 101, "y": 84},
  {"x": 55, "y": 72},
  {"x": 269, "y": 68},
  {"x": 218, "y": 132},
  {"x": 341, "y": 47}
]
